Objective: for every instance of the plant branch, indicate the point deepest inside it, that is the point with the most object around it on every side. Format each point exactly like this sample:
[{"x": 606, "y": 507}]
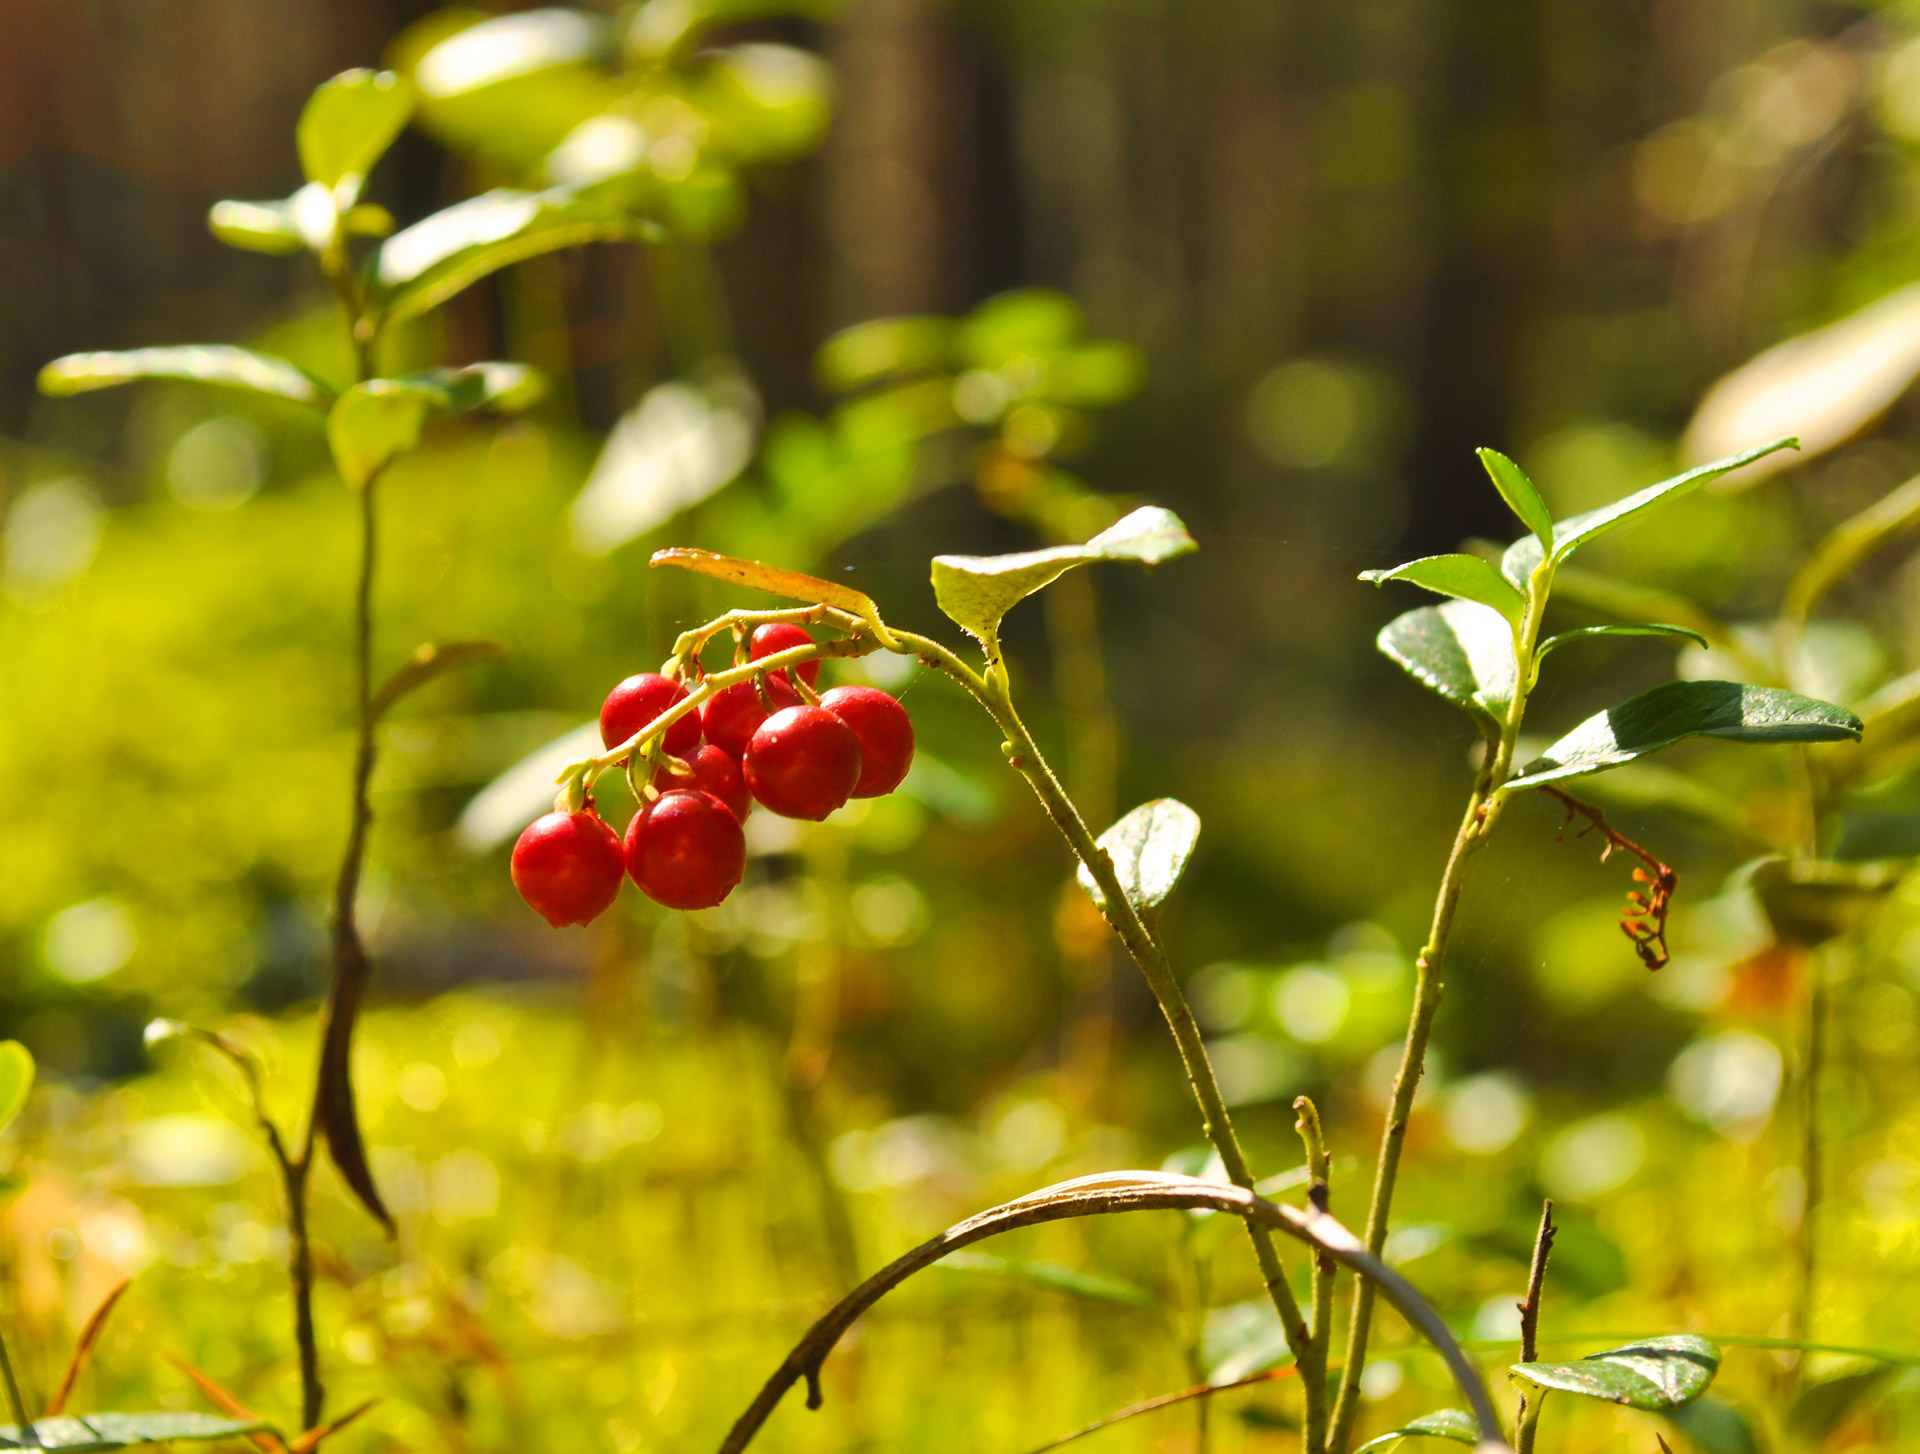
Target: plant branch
[
  {"x": 1112, "y": 1192},
  {"x": 1528, "y": 1414},
  {"x": 1166, "y": 1400},
  {"x": 1319, "y": 1192}
]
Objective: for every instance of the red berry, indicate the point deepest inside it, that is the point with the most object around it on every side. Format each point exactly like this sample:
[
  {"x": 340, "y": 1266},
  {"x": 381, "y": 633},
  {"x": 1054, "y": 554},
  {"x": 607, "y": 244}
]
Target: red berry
[
  {"x": 716, "y": 773},
  {"x": 885, "y": 733},
  {"x": 567, "y": 867},
  {"x": 783, "y": 636},
  {"x": 803, "y": 762},
  {"x": 685, "y": 849},
  {"x": 732, "y": 714},
  {"x": 636, "y": 702}
]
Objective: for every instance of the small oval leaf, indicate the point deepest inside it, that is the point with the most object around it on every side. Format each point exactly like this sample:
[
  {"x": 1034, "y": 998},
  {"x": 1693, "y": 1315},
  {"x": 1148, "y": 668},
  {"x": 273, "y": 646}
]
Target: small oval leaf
[
  {"x": 348, "y": 124},
  {"x": 1654, "y": 1374},
  {"x": 1454, "y": 1424},
  {"x": 16, "y": 1079},
  {"x": 1149, "y": 848},
  {"x": 256, "y": 227},
  {"x": 207, "y": 363},
  {"x": 1676, "y": 711},
  {"x": 1519, "y": 493},
  {"x": 1461, "y": 650},
  {"x": 975, "y": 591},
  {"x": 1638, "y": 628},
  {"x": 1465, "y": 577}
]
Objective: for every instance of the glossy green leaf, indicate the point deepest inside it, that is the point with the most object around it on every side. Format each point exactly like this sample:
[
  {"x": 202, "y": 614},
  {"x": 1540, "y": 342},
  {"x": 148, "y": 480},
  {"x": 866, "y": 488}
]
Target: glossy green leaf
[
  {"x": 1454, "y": 1424},
  {"x": 1570, "y": 535},
  {"x": 348, "y": 124},
  {"x": 1465, "y": 577},
  {"x": 424, "y": 265},
  {"x": 1461, "y": 650},
  {"x": 93, "y": 1432},
  {"x": 1150, "y": 848},
  {"x": 1093, "y": 1286},
  {"x": 16, "y": 1079},
  {"x": 1638, "y": 628},
  {"x": 977, "y": 590},
  {"x": 1677, "y": 711},
  {"x": 1519, "y": 493},
  {"x": 256, "y": 226},
  {"x": 1716, "y": 1427},
  {"x": 207, "y": 363},
  {"x": 1654, "y": 1374},
  {"x": 375, "y": 422}
]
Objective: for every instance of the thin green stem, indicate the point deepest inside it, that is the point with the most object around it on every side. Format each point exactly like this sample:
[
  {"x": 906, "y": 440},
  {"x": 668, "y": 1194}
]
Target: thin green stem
[
  {"x": 21, "y": 1422},
  {"x": 1319, "y": 1173},
  {"x": 1476, "y": 825}
]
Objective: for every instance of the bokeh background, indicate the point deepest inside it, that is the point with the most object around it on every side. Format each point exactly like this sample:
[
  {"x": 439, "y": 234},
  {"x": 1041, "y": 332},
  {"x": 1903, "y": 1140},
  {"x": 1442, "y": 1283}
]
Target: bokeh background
[{"x": 1286, "y": 265}]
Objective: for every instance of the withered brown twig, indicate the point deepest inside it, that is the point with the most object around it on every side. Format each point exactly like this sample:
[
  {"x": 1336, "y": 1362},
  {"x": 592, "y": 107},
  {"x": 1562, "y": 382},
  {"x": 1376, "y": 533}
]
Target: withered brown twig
[{"x": 1644, "y": 919}]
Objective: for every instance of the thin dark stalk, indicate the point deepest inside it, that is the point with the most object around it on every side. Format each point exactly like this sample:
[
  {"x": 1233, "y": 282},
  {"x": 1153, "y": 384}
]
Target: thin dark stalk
[
  {"x": 1812, "y": 1159},
  {"x": 1319, "y": 1192},
  {"x": 1202, "y": 1392},
  {"x": 1528, "y": 1414},
  {"x": 28, "y": 1434}
]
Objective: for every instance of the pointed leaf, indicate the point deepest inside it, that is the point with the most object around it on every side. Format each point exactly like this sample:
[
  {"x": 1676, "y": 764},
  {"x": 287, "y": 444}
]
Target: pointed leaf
[
  {"x": 83, "y": 1347},
  {"x": 776, "y": 580},
  {"x": 57, "y": 1433},
  {"x": 333, "y": 1101},
  {"x": 1096, "y": 1287},
  {"x": 1519, "y": 493},
  {"x": 977, "y": 590},
  {"x": 1461, "y": 650},
  {"x": 256, "y": 226},
  {"x": 1716, "y": 1427},
  {"x": 207, "y": 363},
  {"x": 348, "y": 124},
  {"x": 16, "y": 1079},
  {"x": 1654, "y": 1374},
  {"x": 1454, "y": 1424},
  {"x": 375, "y": 422},
  {"x": 1149, "y": 848},
  {"x": 424, "y": 265},
  {"x": 1676, "y": 711},
  {"x": 431, "y": 660},
  {"x": 1638, "y": 628},
  {"x": 1570, "y": 535},
  {"x": 148, "y": 1428},
  {"x": 1466, "y": 577}
]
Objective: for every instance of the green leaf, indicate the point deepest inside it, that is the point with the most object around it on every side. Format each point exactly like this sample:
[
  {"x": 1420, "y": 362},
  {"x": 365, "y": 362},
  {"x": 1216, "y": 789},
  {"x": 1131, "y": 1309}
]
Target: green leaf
[
  {"x": 1654, "y": 1374},
  {"x": 424, "y": 265},
  {"x": 1677, "y": 711},
  {"x": 348, "y": 124},
  {"x": 1570, "y": 535},
  {"x": 115, "y": 1431},
  {"x": 16, "y": 1079},
  {"x": 1810, "y": 901},
  {"x": 1519, "y": 493},
  {"x": 207, "y": 363},
  {"x": 977, "y": 590},
  {"x": 1461, "y": 650},
  {"x": 256, "y": 226},
  {"x": 1638, "y": 628},
  {"x": 1093, "y": 1286},
  {"x": 883, "y": 348},
  {"x": 1454, "y": 1424},
  {"x": 375, "y": 422},
  {"x": 434, "y": 659},
  {"x": 1465, "y": 577},
  {"x": 1716, "y": 1427},
  {"x": 1149, "y": 848},
  {"x": 1820, "y": 1407}
]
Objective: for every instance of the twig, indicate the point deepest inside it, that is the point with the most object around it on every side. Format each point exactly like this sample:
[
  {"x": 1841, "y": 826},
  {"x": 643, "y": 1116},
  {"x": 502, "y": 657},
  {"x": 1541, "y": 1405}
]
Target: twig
[
  {"x": 1167, "y": 1400},
  {"x": 1110, "y": 1192},
  {"x": 23, "y": 1425},
  {"x": 1644, "y": 919},
  {"x": 89, "y": 1335},
  {"x": 1528, "y": 1413},
  {"x": 1319, "y": 1170}
]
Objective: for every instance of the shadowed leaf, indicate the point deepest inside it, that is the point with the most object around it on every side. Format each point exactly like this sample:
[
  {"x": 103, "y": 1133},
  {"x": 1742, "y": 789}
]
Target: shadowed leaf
[
  {"x": 1820, "y": 1407},
  {"x": 1590, "y": 633},
  {"x": 1461, "y": 650},
  {"x": 206, "y": 363},
  {"x": 1466, "y": 577},
  {"x": 1716, "y": 1427},
  {"x": 429, "y": 661},
  {"x": 93, "y": 1432},
  {"x": 375, "y": 422},
  {"x": 1676, "y": 711},
  {"x": 977, "y": 590},
  {"x": 1149, "y": 847},
  {"x": 1654, "y": 1374}
]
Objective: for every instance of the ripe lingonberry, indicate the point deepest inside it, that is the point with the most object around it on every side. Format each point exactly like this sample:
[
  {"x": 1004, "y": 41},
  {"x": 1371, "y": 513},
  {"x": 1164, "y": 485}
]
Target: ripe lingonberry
[
  {"x": 732, "y": 714},
  {"x": 885, "y": 733},
  {"x": 567, "y": 866},
  {"x": 636, "y": 702},
  {"x": 784, "y": 636},
  {"x": 803, "y": 762},
  {"x": 716, "y": 773},
  {"x": 685, "y": 849}
]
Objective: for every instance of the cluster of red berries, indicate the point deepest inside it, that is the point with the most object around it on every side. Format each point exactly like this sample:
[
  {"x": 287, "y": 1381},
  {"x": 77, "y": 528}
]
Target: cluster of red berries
[{"x": 684, "y": 847}]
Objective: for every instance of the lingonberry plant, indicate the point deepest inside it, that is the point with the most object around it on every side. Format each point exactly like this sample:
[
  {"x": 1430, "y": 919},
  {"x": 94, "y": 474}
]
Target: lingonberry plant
[{"x": 1483, "y": 649}]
